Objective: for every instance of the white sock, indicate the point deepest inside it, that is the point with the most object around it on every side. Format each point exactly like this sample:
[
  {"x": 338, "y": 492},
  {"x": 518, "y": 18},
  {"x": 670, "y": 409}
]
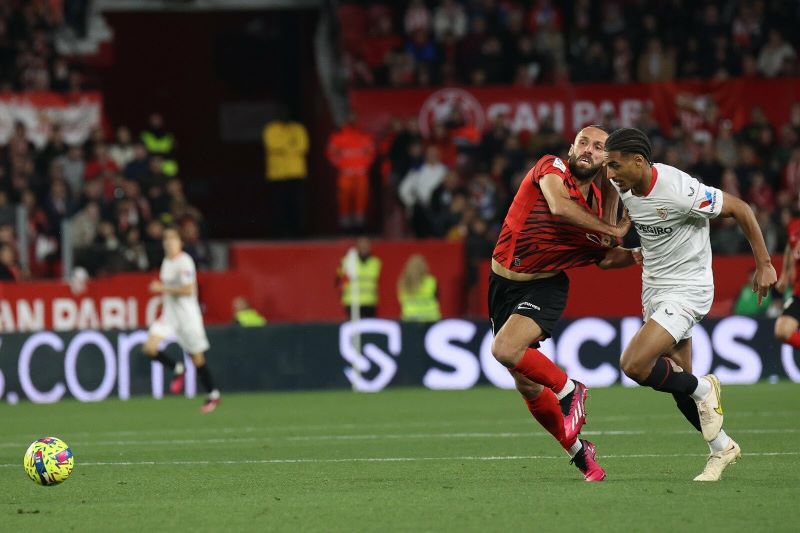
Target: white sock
[
  {"x": 720, "y": 442},
  {"x": 569, "y": 386},
  {"x": 575, "y": 448},
  {"x": 702, "y": 390},
  {"x": 179, "y": 368},
  {"x": 213, "y": 395}
]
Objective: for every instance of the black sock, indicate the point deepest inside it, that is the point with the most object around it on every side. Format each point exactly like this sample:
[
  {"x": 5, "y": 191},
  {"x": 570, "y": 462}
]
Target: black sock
[
  {"x": 688, "y": 408},
  {"x": 580, "y": 459},
  {"x": 566, "y": 402},
  {"x": 162, "y": 358},
  {"x": 663, "y": 378},
  {"x": 205, "y": 377}
]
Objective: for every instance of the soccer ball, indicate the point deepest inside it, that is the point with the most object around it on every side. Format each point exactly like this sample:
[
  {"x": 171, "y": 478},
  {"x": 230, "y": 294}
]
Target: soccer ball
[{"x": 48, "y": 461}]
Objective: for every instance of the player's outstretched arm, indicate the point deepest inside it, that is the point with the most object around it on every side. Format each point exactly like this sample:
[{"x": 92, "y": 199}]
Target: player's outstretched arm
[
  {"x": 560, "y": 204},
  {"x": 765, "y": 276}
]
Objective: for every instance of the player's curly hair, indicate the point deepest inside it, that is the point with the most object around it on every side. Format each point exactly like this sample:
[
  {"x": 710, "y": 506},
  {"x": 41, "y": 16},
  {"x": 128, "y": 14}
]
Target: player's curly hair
[{"x": 629, "y": 141}]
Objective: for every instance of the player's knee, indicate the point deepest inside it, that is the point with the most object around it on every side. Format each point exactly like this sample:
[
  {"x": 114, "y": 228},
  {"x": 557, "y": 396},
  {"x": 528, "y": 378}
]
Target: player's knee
[
  {"x": 530, "y": 390},
  {"x": 198, "y": 359},
  {"x": 634, "y": 369},
  {"x": 783, "y": 331},
  {"x": 506, "y": 353},
  {"x": 150, "y": 350}
]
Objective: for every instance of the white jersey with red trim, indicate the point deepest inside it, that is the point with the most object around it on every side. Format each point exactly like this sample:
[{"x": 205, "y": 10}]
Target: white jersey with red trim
[
  {"x": 179, "y": 272},
  {"x": 672, "y": 222}
]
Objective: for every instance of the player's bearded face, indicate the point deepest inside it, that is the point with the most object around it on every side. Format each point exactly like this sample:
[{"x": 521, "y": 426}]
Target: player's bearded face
[{"x": 583, "y": 166}]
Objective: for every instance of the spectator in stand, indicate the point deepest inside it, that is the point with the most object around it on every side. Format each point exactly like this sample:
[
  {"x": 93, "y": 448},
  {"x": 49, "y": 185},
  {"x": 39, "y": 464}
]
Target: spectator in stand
[
  {"x": 54, "y": 147},
  {"x": 158, "y": 141},
  {"x": 154, "y": 235},
  {"x": 417, "y": 189},
  {"x": 106, "y": 249},
  {"x": 8, "y": 215},
  {"x": 122, "y": 152},
  {"x": 760, "y": 193},
  {"x": 9, "y": 267},
  {"x": 73, "y": 168},
  {"x": 138, "y": 168},
  {"x": 417, "y": 17},
  {"x": 352, "y": 150},
  {"x": 57, "y": 206},
  {"x": 84, "y": 227},
  {"x": 194, "y": 245},
  {"x": 450, "y": 19},
  {"x": 655, "y": 64},
  {"x": 774, "y": 54},
  {"x": 100, "y": 163},
  {"x": 707, "y": 169},
  {"x": 133, "y": 252}
]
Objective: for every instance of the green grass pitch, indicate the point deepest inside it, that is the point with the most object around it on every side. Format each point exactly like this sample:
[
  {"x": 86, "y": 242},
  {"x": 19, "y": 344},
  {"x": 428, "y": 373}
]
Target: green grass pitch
[{"x": 400, "y": 460}]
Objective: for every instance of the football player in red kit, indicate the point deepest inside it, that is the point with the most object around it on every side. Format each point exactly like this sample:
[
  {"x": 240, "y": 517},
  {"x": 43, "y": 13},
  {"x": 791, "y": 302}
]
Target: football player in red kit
[
  {"x": 559, "y": 219},
  {"x": 786, "y": 327}
]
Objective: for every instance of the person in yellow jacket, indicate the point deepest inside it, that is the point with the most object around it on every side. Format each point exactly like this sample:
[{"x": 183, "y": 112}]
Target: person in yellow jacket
[
  {"x": 286, "y": 146},
  {"x": 158, "y": 141},
  {"x": 358, "y": 276},
  {"x": 245, "y": 315},
  {"x": 418, "y": 292}
]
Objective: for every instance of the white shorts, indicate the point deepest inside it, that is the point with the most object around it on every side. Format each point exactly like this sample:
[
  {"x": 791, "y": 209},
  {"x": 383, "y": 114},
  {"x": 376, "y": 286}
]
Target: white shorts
[
  {"x": 677, "y": 309},
  {"x": 191, "y": 334}
]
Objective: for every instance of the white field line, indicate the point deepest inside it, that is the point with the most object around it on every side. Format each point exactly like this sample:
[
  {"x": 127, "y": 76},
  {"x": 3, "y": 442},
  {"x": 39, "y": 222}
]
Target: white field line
[
  {"x": 380, "y": 437},
  {"x": 397, "y": 459},
  {"x": 278, "y": 428}
]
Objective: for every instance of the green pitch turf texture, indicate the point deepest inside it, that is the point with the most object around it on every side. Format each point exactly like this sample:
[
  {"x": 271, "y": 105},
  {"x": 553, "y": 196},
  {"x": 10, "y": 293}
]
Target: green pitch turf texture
[{"x": 400, "y": 460}]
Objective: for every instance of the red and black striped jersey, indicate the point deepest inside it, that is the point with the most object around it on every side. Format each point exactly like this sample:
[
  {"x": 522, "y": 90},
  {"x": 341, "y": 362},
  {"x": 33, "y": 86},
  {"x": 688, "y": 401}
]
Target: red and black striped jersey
[
  {"x": 533, "y": 239},
  {"x": 793, "y": 234}
]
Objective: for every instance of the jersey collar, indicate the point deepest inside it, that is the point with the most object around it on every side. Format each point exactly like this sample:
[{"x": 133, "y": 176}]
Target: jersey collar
[{"x": 653, "y": 181}]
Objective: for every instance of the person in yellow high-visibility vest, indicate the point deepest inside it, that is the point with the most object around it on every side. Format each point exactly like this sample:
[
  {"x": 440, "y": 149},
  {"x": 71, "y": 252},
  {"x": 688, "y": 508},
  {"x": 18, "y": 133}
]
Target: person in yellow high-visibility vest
[
  {"x": 158, "y": 141},
  {"x": 245, "y": 315},
  {"x": 418, "y": 292},
  {"x": 359, "y": 273}
]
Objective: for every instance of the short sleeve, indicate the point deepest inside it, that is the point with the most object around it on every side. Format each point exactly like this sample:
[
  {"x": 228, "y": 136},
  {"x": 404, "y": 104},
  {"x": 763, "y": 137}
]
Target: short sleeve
[
  {"x": 549, "y": 164},
  {"x": 187, "y": 274},
  {"x": 703, "y": 201}
]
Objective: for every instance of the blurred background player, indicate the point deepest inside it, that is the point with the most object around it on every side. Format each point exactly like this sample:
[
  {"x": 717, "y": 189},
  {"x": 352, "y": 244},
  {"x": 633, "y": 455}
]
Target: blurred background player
[
  {"x": 418, "y": 292},
  {"x": 787, "y": 324},
  {"x": 544, "y": 234},
  {"x": 352, "y": 150},
  {"x": 671, "y": 212},
  {"x": 180, "y": 317},
  {"x": 358, "y": 276}
]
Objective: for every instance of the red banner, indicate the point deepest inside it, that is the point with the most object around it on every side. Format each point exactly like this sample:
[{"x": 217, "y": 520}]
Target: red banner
[
  {"x": 692, "y": 103},
  {"x": 77, "y": 114},
  {"x": 117, "y": 302}
]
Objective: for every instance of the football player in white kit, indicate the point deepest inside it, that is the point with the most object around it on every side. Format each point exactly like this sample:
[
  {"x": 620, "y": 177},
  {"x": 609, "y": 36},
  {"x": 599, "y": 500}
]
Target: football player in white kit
[
  {"x": 671, "y": 210},
  {"x": 180, "y": 317}
]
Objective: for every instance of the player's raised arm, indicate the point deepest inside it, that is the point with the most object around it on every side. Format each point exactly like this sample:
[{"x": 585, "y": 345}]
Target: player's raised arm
[
  {"x": 560, "y": 204},
  {"x": 765, "y": 276}
]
